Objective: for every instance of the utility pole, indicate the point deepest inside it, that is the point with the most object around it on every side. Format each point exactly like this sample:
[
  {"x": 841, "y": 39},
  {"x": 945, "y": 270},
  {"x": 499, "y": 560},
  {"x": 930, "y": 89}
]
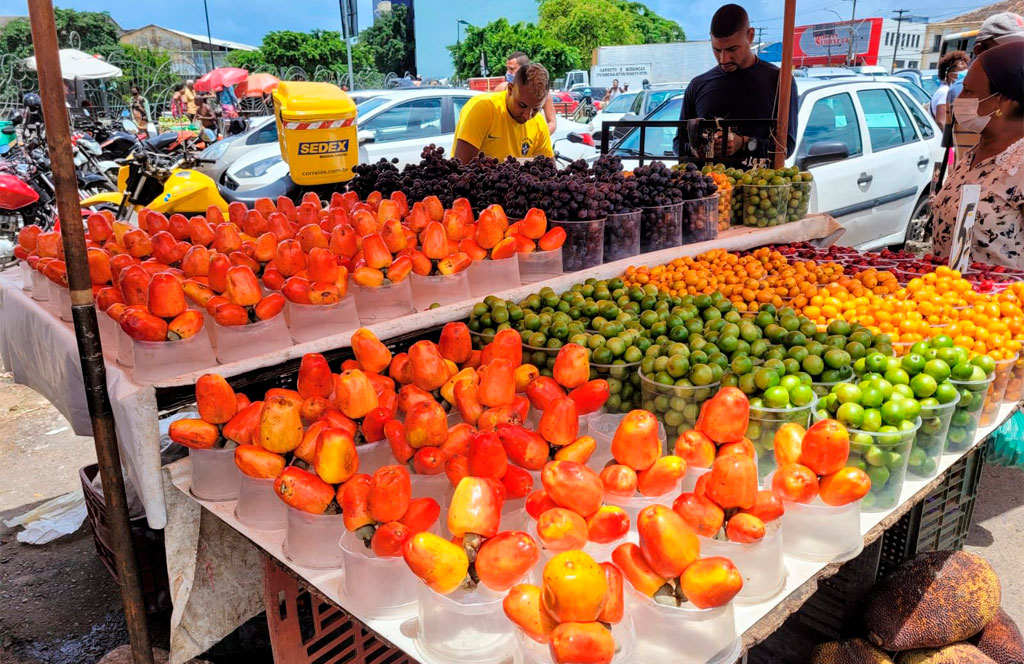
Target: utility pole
[
  {"x": 853, "y": 17},
  {"x": 348, "y": 26},
  {"x": 760, "y": 31},
  {"x": 896, "y": 46},
  {"x": 209, "y": 37}
]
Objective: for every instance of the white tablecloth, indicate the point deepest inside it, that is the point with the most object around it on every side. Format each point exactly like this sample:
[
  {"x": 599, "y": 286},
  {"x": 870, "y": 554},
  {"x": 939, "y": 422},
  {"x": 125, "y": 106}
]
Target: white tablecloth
[{"x": 42, "y": 352}]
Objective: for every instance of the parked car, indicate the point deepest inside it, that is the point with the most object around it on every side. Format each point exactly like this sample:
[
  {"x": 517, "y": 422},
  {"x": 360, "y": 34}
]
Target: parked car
[
  {"x": 927, "y": 79},
  {"x": 614, "y": 110},
  {"x": 564, "y": 102},
  {"x": 919, "y": 94},
  {"x": 646, "y": 101},
  {"x": 398, "y": 124},
  {"x": 225, "y": 152},
  {"x": 868, "y": 143},
  {"x": 596, "y": 93}
]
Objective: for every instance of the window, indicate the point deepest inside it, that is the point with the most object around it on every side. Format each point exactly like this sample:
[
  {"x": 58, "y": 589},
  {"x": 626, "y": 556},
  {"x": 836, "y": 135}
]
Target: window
[
  {"x": 898, "y": 64},
  {"x": 916, "y": 109},
  {"x": 638, "y": 104},
  {"x": 459, "y": 102},
  {"x": 888, "y": 124},
  {"x": 937, "y": 43},
  {"x": 621, "y": 104},
  {"x": 833, "y": 120},
  {"x": 658, "y": 97},
  {"x": 657, "y": 140},
  {"x": 419, "y": 118},
  {"x": 265, "y": 134},
  {"x": 888, "y": 39}
]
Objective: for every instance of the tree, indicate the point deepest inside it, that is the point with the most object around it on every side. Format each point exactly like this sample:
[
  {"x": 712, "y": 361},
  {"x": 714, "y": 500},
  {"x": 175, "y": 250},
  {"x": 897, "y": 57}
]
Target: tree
[
  {"x": 390, "y": 41},
  {"x": 499, "y": 38},
  {"x": 94, "y": 31},
  {"x": 284, "y": 49},
  {"x": 588, "y": 24}
]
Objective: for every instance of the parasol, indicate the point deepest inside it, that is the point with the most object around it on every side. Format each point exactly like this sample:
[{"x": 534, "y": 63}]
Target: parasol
[
  {"x": 220, "y": 78},
  {"x": 257, "y": 85},
  {"x": 75, "y": 64}
]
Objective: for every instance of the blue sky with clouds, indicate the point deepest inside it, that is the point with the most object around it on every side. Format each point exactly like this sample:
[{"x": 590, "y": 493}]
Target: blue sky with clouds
[{"x": 247, "y": 20}]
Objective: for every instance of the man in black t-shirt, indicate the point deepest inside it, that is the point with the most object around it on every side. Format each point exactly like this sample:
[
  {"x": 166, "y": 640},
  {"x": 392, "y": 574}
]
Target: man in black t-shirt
[{"x": 741, "y": 87}]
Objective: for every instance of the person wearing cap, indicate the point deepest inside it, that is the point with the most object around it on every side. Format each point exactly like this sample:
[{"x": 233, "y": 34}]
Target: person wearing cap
[
  {"x": 991, "y": 104},
  {"x": 1001, "y": 28}
]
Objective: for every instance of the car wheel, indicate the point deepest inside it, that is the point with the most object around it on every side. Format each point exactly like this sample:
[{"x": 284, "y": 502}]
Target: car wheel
[{"x": 919, "y": 229}]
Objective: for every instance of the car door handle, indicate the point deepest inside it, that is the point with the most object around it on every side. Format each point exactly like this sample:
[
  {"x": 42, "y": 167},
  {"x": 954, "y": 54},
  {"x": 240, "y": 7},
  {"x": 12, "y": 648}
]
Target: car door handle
[
  {"x": 865, "y": 179},
  {"x": 922, "y": 162}
]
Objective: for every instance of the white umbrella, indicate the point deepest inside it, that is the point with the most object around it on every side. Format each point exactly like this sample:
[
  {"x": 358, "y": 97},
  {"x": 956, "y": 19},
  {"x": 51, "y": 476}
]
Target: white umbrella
[{"x": 75, "y": 64}]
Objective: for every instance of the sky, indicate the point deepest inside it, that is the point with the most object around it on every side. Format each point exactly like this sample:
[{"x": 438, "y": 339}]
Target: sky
[{"x": 247, "y": 20}]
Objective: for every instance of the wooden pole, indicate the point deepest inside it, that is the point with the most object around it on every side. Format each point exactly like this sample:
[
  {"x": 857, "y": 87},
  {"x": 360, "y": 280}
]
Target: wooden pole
[
  {"x": 785, "y": 86},
  {"x": 58, "y": 139}
]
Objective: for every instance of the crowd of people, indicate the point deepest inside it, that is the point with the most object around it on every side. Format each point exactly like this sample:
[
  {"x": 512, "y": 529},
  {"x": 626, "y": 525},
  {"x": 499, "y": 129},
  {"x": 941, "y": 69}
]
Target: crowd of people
[{"x": 204, "y": 109}]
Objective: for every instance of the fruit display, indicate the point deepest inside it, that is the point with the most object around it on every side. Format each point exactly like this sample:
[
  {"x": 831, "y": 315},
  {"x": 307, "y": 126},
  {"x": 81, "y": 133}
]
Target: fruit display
[
  {"x": 638, "y": 473},
  {"x": 772, "y": 197},
  {"x": 974, "y": 380},
  {"x": 574, "y": 611},
  {"x": 817, "y": 465}
]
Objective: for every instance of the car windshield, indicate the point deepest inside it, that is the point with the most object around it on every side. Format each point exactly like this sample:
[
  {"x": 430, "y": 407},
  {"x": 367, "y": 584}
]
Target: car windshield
[
  {"x": 658, "y": 96},
  {"x": 621, "y": 103},
  {"x": 658, "y": 141},
  {"x": 369, "y": 104}
]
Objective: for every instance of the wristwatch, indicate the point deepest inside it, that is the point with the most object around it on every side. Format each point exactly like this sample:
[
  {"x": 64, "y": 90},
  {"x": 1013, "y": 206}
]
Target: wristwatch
[{"x": 751, "y": 144}]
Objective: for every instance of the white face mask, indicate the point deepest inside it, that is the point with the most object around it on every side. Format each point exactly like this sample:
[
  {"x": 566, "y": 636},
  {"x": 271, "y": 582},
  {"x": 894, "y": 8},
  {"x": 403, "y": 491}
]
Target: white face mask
[{"x": 965, "y": 109}]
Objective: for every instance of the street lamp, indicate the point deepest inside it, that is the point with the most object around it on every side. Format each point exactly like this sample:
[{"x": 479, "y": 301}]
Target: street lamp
[{"x": 458, "y": 30}]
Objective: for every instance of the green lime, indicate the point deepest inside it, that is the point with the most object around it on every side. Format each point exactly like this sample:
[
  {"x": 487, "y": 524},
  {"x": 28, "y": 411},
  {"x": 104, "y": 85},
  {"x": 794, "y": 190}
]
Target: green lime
[
  {"x": 911, "y": 409},
  {"x": 836, "y": 358},
  {"x": 789, "y": 381},
  {"x": 963, "y": 372},
  {"x": 946, "y": 393},
  {"x": 897, "y": 377},
  {"x": 937, "y": 369},
  {"x": 948, "y": 355},
  {"x": 892, "y": 412},
  {"x": 847, "y": 393},
  {"x": 813, "y": 365},
  {"x": 776, "y": 397},
  {"x": 851, "y": 414},
  {"x": 801, "y": 395},
  {"x": 878, "y": 475},
  {"x": 871, "y": 396},
  {"x": 923, "y": 385},
  {"x": 913, "y": 363},
  {"x": 765, "y": 378},
  {"x": 872, "y": 419},
  {"x": 875, "y": 363},
  {"x": 876, "y": 456},
  {"x": 904, "y": 391},
  {"x": 987, "y": 364},
  {"x": 942, "y": 341}
]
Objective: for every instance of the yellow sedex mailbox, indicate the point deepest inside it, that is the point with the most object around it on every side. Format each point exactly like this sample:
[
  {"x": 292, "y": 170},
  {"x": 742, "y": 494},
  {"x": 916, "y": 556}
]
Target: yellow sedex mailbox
[{"x": 316, "y": 128}]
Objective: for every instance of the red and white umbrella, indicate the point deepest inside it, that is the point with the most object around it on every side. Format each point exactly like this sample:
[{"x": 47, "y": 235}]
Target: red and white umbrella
[
  {"x": 221, "y": 77},
  {"x": 256, "y": 85}
]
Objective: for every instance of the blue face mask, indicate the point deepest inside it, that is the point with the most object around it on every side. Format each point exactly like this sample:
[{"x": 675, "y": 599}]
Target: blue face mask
[
  {"x": 509, "y": 77},
  {"x": 961, "y": 75}
]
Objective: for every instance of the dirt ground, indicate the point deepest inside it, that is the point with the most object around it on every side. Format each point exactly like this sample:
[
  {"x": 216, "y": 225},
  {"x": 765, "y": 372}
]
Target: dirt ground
[{"x": 58, "y": 604}]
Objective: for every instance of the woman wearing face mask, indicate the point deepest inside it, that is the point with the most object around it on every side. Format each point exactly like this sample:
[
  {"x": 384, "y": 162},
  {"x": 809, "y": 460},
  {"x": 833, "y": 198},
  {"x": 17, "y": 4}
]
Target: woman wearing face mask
[{"x": 992, "y": 104}]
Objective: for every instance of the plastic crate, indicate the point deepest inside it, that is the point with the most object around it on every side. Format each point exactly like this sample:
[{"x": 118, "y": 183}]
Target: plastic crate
[
  {"x": 147, "y": 543},
  {"x": 942, "y": 520},
  {"x": 307, "y": 629}
]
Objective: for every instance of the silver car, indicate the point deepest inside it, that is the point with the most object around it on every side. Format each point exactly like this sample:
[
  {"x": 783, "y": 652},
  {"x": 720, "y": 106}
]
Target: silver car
[{"x": 226, "y": 152}]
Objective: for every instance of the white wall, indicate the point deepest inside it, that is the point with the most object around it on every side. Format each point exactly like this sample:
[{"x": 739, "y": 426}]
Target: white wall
[{"x": 912, "y": 44}]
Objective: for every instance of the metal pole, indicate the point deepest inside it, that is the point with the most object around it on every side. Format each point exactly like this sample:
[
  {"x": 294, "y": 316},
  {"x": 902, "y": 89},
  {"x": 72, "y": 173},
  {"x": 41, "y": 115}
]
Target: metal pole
[
  {"x": 853, "y": 17},
  {"x": 896, "y": 46},
  {"x": 348, "y": 43},
  {"x": 209, "y": 37},
  {"x": 58, "y": 135},
  {"x": 785, "y": 85}
]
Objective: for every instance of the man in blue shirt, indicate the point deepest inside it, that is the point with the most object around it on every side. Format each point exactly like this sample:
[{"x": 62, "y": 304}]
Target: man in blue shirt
[{"x": 741, "y": 87}]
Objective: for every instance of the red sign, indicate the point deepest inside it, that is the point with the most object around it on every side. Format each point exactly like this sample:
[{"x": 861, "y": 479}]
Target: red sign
[{"x": 829, "y": 44}]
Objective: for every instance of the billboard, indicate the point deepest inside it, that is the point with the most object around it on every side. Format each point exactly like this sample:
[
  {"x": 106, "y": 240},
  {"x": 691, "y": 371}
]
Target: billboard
[
  {"x": 830, "y": 43},
  {"x": 631, "y": 75}
]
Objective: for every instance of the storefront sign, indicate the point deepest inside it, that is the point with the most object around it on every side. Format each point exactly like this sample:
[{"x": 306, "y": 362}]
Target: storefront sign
[
  {"x": 830, "y": 43},
  {"x": 960, "y": 247},
  {"x": 633, "y": 75}
]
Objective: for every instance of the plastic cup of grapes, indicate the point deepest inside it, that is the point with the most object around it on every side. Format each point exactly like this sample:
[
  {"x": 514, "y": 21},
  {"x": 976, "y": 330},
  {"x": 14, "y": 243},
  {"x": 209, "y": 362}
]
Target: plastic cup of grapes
[
  {"x": 661, "y": 227},
  {"x": 584, "y": 243},
  {"x": 700, "y": 219},
  {"x": 621, "y": 236}
]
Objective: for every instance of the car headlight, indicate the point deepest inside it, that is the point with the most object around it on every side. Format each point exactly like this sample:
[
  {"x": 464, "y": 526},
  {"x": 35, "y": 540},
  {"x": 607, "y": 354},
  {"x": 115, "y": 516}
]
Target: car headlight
[
  {"x": 258, "y": 168},
  {"x": 215, "y": 151}
]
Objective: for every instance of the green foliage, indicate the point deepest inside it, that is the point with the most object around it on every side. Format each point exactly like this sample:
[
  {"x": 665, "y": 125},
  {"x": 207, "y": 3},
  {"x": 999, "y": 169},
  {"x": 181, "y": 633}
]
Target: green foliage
[
  {"x": 588, "y": 24},
  {"x": 284, "y": 49},
  {"x": 499, "y": 38},
  {"x": 95, "y": 30},
  {"x": 390, "y": 41}
]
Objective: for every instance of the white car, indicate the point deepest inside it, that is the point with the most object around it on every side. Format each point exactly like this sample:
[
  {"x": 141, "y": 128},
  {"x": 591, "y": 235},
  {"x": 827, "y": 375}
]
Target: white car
[
  {"x": 226, "y": 152},
  {"x": 869, "y": 145},
  {"x": 398, "y": 124}
]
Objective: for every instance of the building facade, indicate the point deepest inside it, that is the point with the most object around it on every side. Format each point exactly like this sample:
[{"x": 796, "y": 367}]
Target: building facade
[
  {"x": 191, "y": 55},
  {"x": 902, "y": 43}
]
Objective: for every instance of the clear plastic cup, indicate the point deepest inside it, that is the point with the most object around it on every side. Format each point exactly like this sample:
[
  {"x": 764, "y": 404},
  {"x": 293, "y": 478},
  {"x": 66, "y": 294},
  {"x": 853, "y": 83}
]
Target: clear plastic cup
[
  {"x": 997, "y": 391},
  {"x": 211, "y": 328},
  {"x": 661, "y": 227},
  {"x": 1015, "y": 385},
  {"x": 967, "y": 414},
  {"x": 308, "y": 322},
  {"x": 125, "y": 348},
  {"x": 108, "y": 332},
  {"x": 258, "y": 506},
  {"x": 26, "y": 275},
  {"x": 624, "y": 385},
  {"x": 61, "y": 298},
  {"x": 602, "y": 429},
  {"x": 584, "y": 243},
  {"x": 623, "y": 633},
  {"x": 40, "y": 287},
  {"x": 374, "y": 455},
  {"x": 633, "y": 504},
  {"x": 676, "y": 406},
  {"x": 429, "y": 486},
  {"x": 800, "y": 200},
  {"x": 884, "y": 456},
  {"x": 241, "y": 342},
  {"x": 765, "y": 205},
  {"x": 682, "y": 635},
  {"x": 160, "y": 360},
  {"x": 693, "y": 473},
  {"x": 464, "y": 626},
  {"x": 700, "y": 219},
  {"x": 215, "y": 477},
  {"x": 822, "y": 389},
  {"x": 539, "y": 265},
  {"x": 383, "y": 302},
  {"x": 764, "y": 422},
  {"x": 439, "y": 289},
  {"x": 621, "y": 236},
  {"x": 931, "y": 440},
  {"x": 311, "y": 540},
  {"x": 362, "y": 587},
  {"x": 821, "y": 533},
  {"x": 760, "y": 563},
  {"x": 493, "y": 276}
]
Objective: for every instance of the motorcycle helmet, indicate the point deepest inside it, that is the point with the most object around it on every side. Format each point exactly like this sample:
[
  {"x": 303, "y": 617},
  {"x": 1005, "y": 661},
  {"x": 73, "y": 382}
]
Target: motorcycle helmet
[{"x": 33, "y": 107}]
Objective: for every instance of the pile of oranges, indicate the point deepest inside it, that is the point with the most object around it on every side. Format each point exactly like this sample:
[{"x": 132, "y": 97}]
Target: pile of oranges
[{"x": 939, "y": 302}]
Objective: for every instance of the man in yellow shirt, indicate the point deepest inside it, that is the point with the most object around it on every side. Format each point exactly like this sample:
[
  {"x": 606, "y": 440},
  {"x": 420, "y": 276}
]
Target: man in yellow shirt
[{"x": 507, "y": 123}]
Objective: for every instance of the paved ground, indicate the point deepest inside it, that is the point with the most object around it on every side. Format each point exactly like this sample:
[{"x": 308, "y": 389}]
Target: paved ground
[{"x": 40, "y": 459}]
